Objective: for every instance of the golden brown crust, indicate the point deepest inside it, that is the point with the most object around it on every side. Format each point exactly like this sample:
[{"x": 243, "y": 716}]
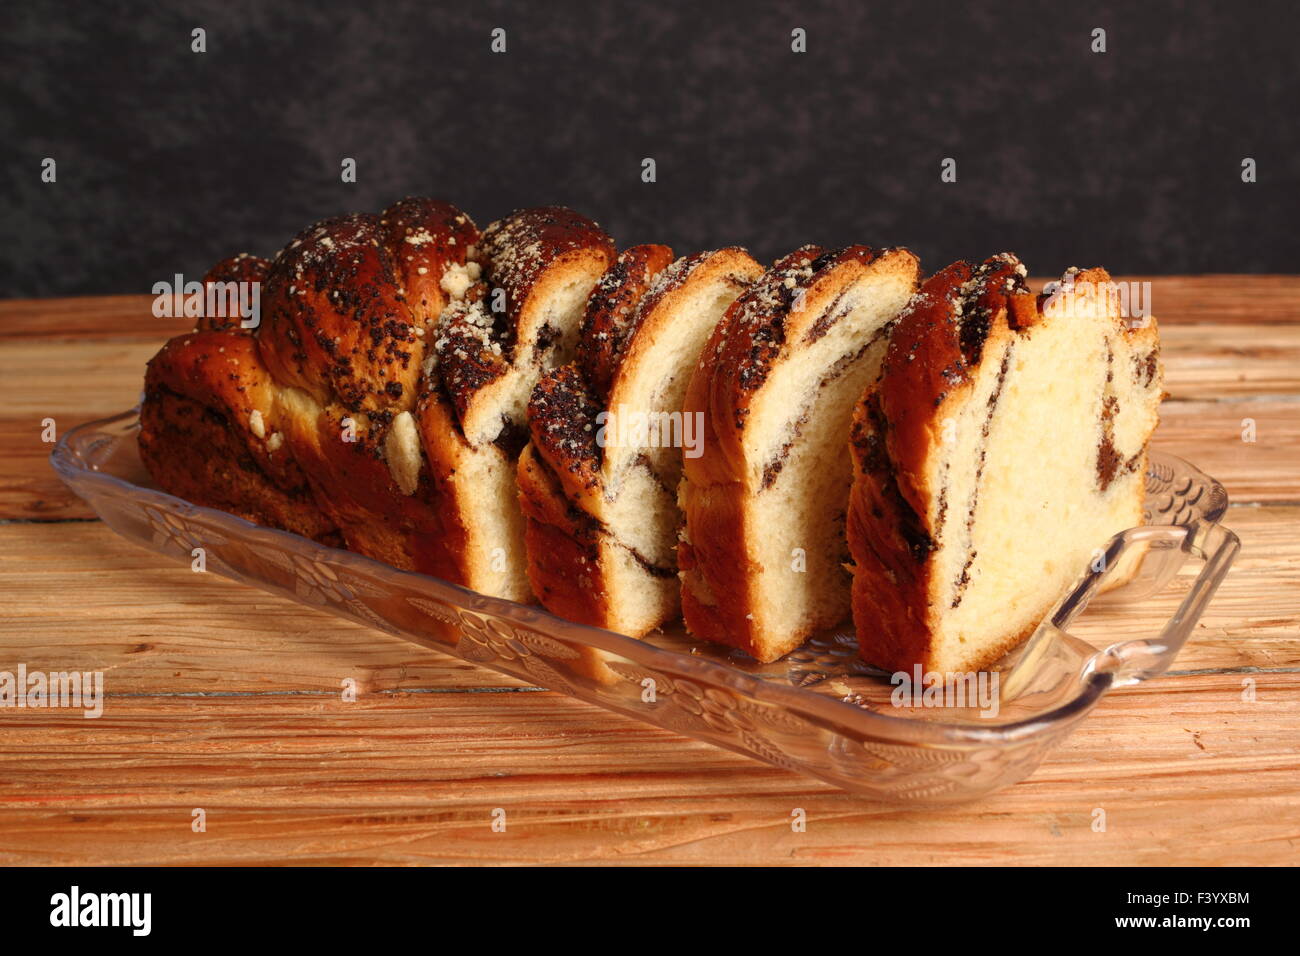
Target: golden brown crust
[
  {"x": 219, "y": 369},
  {"x": 244, "y": 267},
  {"x": 347, "y": 311},
  {"x": 441, "y": 547},
  {"x": 425, "y": 237},
  {"x": 560, "y": 470},
  {"x": 927, "y": 338},
  {"x": 627, "y": 313},
  {"x": 932, "y": 354},
  {"x": 470, "y": 355},
  {"x": 525, "y": 259},
  {"x": 750, "y": 338},
  {"x": 563, "y": 412},
  {"x": 354, "y": 299},
  {"x": 611, "y": 316},
  {"x": 469, "y": 413},
  {"x": 420, "y": 240},
  {"x": 561, "y": 416},
  {"x": 887, "y": 537},
  {"x": 564, "y": 565},
  {"x": 566, "y": 573},
  {"x": 209, "y": 434},
  {"x": 335, "y": 321},
  {"x": 714, "y": 561},
  {"x": 939, "y": 338},
  {"x": 732, "y": 265},
  {"x": 737, "y": 358},
  {"x": 519, "y": 249},
  {"x": 225, "y": 476}
]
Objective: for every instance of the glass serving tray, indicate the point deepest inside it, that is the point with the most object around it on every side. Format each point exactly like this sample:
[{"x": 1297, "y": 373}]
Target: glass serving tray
[{"x": 819, "y": 711}]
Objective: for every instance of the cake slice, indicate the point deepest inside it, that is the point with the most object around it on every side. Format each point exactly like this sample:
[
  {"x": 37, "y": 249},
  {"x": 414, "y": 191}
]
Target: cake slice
[
  {"x": 1004, "y": 442},
  {"x": 513, "y": 316},
  {"x": 598, "y": 481},
  {"x": 762, "y": 552}
]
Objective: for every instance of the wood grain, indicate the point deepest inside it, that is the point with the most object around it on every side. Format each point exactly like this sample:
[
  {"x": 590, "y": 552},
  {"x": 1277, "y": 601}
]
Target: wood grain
[
  {"x": 412, "y": 778},
  {"x": 225, "y": 698}
]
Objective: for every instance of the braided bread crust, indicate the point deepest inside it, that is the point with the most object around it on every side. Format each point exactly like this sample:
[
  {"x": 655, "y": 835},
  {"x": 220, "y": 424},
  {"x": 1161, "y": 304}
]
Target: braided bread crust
[
  {"x": 211, "y": 432},
  {"x": 319, "y": 394}
]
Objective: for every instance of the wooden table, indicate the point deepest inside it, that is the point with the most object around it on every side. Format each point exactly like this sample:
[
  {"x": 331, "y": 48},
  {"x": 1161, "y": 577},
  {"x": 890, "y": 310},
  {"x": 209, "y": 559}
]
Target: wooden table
[{"x": 224, "y": 698}]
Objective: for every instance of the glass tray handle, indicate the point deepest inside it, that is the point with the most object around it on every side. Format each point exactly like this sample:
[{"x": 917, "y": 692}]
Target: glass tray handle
[{"x": 1131, "y": 662}]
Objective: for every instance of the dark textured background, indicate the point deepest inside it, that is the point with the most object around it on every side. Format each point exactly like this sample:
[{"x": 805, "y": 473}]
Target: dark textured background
[{"x": 169, "y": 160}]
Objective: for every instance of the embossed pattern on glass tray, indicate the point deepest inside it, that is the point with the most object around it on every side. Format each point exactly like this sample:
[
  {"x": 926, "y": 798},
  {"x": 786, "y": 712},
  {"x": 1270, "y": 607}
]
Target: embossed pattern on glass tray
[{"x": 819, "y": 711}]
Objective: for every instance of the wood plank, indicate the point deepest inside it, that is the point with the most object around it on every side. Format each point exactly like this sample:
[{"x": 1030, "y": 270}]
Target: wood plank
[
  {"x": 1254, "y": 620},
  {"x": 1222, "y": 299},
  {"x": 123, "y": 318},
  {"x": 70, "y": 382},
  {"x": 415, "y": 780},
  {"x": 79, "y": 597},
  {"x": 74, "y": 381},
  {"x": 1225, "y": 362},
  {"x": 289, "y": 772},
  {"x": 1211, "y": 434}
]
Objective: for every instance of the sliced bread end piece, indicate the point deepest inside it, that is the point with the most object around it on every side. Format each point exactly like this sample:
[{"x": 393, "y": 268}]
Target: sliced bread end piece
[{"x": 1003, "y": 445}]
